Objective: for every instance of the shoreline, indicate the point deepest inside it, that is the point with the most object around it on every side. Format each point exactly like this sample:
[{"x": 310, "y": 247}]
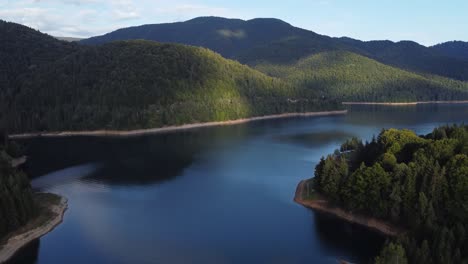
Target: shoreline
[
  {"x": 324, "y": 206},
  {"x": 406, "y": 103},
  {"x": 139, "y": 132},
  {"x": 18, "y": 241}
]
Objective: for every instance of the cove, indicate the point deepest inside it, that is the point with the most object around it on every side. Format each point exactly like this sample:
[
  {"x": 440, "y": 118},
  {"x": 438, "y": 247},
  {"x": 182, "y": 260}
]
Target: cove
[{"x": 208, "y": 195}]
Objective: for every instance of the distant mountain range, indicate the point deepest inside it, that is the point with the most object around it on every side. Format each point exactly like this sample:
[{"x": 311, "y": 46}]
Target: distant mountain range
[
  {"x": 49, "y": 85},
  {"x": 454, "y": 49},
  {"x": 275, "y": 41}
]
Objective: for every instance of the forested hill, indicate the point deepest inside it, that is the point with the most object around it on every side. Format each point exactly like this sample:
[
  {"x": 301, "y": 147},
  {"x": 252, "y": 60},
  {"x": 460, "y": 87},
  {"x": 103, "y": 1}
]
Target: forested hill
[
  {"x": 275, "y": 41},
  {"x": 50, "y": 85},
  {"x": 417, "y": 182},
  {"x": 455, "y": 49},
  {"x": 411, "y": 56},
  {"x": 143, "y": 84},
  {"x": 346, "y": 76},
  {"x": 24, "y": 49},
  {"x": 229, "y": 37}
]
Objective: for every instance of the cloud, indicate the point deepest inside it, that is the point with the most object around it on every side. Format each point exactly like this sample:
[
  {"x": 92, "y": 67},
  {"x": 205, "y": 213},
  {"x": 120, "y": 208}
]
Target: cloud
[
  {"x": 33, "y": 17},
  {"x": 85, "y": 18},
  {"x": 123, "y": 15},
  {"x": 124, "y": 10},
  {"x": 50, "y": 21}
]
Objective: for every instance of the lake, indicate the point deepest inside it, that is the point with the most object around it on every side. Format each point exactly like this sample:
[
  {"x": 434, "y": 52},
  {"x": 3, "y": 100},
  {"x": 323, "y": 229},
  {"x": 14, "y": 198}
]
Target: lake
[{"x": 209, "y": 195}]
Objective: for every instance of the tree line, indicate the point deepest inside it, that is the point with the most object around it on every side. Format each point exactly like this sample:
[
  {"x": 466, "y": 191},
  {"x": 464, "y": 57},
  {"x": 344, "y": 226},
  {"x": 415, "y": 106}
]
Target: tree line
[
  {"x": 417, "y": 182},
  {"x": 17, "y": 205},
  {"x": 143, "y": 84},
  {"x": 51, "y": 85},
  {"x": 346, "y": 76}
]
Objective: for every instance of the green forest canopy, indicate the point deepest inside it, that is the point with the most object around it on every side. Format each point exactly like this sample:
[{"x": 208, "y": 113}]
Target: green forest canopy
[
  {"x": 143, "y": 84},
  {"x": 346, "y": 76},
  {"x": 51, "y": 85},
  {"x": 273, "y": 41},
  {"x": 419, "y": 182}
]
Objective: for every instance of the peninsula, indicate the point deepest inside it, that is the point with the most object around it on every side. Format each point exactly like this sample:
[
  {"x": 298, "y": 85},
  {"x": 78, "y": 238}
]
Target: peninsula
[
  {"x": 409, "y": 187},
  {"x": 321, "y": 204},
  {"x": 24, "y": 214},
  {"x": 51, "y": 211}
]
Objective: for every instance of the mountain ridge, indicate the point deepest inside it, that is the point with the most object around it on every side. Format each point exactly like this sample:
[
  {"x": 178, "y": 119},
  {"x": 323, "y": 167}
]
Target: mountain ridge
[
  {"x": 132, "y": 85},
  {"x": 272, "y": 40},
  {"x": 54, "y": 85},
  {"x": 454, "y": 48}
]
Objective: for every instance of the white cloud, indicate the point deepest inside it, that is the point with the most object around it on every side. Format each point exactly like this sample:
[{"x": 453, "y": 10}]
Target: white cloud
[
  {"x": 50, "y": 21},
  {"x": 85, "y": 18},
  {"x": 125, "y": 15},
  {"x": 33, "y": 17},
  {"x": 124, "y": 10}
]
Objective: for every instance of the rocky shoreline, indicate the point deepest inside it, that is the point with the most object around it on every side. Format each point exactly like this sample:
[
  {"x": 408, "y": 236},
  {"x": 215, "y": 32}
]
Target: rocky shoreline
[
  {"x": 32, "y": 232},
  {"x": 322, "y": 205},
  {"x": 139, "y": 132}
]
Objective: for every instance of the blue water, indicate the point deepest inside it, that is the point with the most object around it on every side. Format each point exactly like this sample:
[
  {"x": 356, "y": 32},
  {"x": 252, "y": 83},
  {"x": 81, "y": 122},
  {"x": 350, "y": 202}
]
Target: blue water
[{"x": 210, "y": 195}]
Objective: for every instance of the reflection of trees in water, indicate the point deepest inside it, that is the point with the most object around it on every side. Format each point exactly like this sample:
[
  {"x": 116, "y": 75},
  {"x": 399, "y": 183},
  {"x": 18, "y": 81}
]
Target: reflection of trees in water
[
  {"x": 27, "y": 254},
  {"x": 128, "y": 160},
  {"x": 340, "y": 236},
  {"x": 314, "y": 139}
]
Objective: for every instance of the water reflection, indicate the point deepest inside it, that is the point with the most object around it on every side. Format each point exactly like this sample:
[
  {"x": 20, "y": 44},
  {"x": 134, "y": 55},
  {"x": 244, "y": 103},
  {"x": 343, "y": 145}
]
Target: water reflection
[
  {"x": 315, "y": 139},
  {"x": 64, "y": 176},
  {"x": 123, "y": 160},
  {"x": 28, "y": 254},
  {"x": 211, "y": 195},
  {"x": 345, "y": 240}
]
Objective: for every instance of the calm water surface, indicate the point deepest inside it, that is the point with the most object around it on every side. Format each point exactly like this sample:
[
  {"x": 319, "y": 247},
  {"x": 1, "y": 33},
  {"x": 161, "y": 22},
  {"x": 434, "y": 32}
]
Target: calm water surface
[{"x": 211, "y": 195}]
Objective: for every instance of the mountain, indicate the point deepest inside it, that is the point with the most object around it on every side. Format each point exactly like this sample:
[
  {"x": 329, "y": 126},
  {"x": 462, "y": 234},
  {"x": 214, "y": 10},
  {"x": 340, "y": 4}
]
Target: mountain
[
  {"x": 139, "y": 84},
  {"x": 411, "y": 56},
  {"x": 229, "y": 37},
  {"x": 274, "y": 41},
  {"x": 144, "y": 84},
  {"x": 455, "y": 49},
  {"x": 23, "y": 49},
  {"x": 347, "y": 76}
]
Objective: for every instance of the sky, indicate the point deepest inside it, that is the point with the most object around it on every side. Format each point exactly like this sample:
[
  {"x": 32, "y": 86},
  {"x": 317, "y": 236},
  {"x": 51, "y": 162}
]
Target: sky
[{"x": 425, "y": 21}]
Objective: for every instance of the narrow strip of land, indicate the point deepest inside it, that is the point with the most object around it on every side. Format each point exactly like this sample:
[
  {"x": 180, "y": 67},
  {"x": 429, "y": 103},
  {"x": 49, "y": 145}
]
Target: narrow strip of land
[
  {"x": 406, "y": 103},
  {"x": 51, "y": 215},
  {"x": 170, "y": 128},
  {"x": 322, "y": 205}
]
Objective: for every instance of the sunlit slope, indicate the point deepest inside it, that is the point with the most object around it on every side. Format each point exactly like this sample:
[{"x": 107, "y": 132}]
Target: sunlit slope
[
  {"x": 143, "y": 84},
  {"x": 269, "y": 40},
  {"x": 347, "y": 76}
]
